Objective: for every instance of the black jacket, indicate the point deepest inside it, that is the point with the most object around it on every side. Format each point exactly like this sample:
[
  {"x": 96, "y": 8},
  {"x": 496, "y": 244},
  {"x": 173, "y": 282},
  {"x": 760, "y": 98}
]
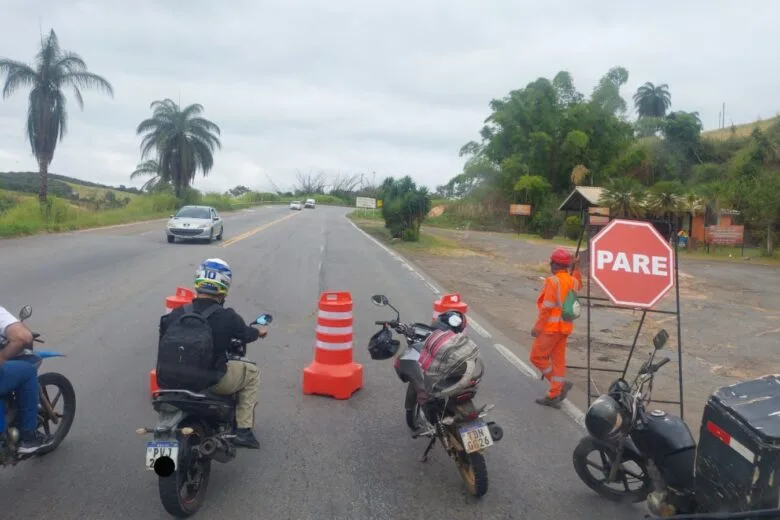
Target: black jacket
[{"x": 225, "y": 325}]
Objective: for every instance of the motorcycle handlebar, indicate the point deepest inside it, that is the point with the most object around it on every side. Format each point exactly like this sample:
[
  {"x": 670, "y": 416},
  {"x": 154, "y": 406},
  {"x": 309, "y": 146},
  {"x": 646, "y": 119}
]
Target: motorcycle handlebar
[{"x": 660, "y": 364}]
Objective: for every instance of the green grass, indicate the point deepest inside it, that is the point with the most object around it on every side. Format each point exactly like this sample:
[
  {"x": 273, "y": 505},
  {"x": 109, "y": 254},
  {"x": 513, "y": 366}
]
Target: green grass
[
  {"x": 428, "y": 243},
  {"x": 91, "y": 192},
  {"x": 722, "y": 134},
  {"x": 752, "y": 255}
]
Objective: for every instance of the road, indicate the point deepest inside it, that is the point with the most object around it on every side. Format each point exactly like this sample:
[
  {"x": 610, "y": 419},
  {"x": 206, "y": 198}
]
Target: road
[{"x": 97, "y": 297}]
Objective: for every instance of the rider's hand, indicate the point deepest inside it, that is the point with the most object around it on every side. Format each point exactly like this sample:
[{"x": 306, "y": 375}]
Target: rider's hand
[{"x": 262, "y": 330}]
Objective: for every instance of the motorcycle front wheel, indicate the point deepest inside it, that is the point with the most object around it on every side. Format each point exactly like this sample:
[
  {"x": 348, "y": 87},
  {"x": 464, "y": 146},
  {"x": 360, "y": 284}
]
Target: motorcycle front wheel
[
  {"x": 184, "y": 492},
  {"x": 606, "y": 456}
]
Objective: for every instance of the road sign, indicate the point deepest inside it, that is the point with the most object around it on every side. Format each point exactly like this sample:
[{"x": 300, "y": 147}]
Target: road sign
[
  {"x": 522, "y": 210},
  {"x": 724, "y": 235},
  {"x": 632, "y": 263},
  {"x": 365, "y": 202},
  {"x": 379, "y": 203}
]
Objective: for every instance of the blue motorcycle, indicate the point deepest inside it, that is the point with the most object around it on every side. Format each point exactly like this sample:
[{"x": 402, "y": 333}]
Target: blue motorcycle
[{"x": 55, "y": 391}]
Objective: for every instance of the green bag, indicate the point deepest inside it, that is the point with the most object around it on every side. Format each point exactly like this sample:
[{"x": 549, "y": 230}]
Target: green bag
[{"x": 571, "y": 307}]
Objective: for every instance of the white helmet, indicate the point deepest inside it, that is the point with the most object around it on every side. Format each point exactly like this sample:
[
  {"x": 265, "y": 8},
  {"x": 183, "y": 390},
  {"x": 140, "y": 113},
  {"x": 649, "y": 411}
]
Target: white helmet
[{"x": 213, "y": 276}]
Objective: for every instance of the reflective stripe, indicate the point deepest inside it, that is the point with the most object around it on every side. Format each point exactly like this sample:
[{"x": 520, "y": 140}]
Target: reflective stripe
[
  {"x": 558, "y": 379},
  {"x": 547, "y": 370},
  {"x": 553, "y": 319},
  {"x": 549, "y": 305},
  {"x": 329, "y": 315},
  {"x": 334, "y": 330},
  {"x": 332, "y": 346}
]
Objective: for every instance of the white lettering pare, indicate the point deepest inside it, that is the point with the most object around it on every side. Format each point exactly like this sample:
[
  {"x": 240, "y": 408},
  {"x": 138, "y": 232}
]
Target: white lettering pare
[{"x": 637, "y": 264}]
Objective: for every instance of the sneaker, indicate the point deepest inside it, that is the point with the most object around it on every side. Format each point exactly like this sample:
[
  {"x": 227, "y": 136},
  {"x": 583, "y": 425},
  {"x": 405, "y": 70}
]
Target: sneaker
[
  {"x": 30, "y": 443},
  {"x": 245, "y": 438}
]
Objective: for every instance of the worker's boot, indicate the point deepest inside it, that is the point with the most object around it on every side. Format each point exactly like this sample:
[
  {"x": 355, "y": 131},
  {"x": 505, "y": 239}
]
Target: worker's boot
[{"x": 552, "y": 402}]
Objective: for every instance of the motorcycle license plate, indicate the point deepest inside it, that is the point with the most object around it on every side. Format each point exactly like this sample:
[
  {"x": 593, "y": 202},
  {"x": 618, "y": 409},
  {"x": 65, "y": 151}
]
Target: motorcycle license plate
[
  {"x": 475, "y": 436},
  {"x": 158, "y": 449}
]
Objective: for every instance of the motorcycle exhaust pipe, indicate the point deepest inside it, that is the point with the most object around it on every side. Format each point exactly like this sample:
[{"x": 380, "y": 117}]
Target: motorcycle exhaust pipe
[
  {"x": 496, "y": 431},
  {"x": 217, "y": 449}
]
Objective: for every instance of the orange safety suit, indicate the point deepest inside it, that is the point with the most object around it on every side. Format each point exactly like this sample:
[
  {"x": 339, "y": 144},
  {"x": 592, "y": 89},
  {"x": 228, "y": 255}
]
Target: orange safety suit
[{"x": 548, "y": 352}]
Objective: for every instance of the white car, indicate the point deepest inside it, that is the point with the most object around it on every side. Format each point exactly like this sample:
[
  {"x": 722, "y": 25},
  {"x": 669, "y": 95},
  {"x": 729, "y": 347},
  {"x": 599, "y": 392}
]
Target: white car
[
  {"x": 195, "y": 223},
  {"x": 309, "y": 203},
  {"x": 296, "y": 204}
]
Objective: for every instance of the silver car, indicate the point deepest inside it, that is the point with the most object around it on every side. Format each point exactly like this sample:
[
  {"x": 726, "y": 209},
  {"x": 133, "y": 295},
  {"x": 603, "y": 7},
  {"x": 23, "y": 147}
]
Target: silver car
[{"x": 195, "y": 223}]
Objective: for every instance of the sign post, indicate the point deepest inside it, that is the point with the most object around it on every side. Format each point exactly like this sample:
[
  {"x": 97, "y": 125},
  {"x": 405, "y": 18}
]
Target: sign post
[{"x": 635, "y": 267}]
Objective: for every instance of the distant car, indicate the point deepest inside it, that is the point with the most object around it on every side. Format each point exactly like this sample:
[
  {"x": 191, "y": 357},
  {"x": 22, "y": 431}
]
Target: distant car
[
  {"x": 195, "y": 223},
  {"x": 309, "y": 203},
  {"x": 296, "y": 204}
]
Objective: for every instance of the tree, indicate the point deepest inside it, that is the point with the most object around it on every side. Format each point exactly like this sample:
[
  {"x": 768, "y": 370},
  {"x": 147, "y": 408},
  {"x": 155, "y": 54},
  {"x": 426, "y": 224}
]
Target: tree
[
  {"x": 183, "y": 141},
  {"x": 666, "y": 198},
  {"x": 405, "y": 207},
  {"x": 150, "y": 167},
  {"x": 54, "y": 71},
  {"x": 624, "y": 197},
  {"x": 533, "y": 189},
  {"x": 310, "y": 183},
  {"x": 238, "y": 191},
  {"x": 607, "y": 93},
  {"x": 652, "y": 101}
]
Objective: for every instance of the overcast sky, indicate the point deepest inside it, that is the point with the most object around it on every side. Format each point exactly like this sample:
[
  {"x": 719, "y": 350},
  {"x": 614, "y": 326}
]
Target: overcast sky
[{"x": 357, "y": 86}]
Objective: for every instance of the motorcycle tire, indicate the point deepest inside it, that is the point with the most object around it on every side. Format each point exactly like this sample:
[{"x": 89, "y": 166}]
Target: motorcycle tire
[
  {"x": 585, "y": 447},
  {"x": 473, "y": 471},
  {"x": 189, "y": 467},
  {"x": 68, "y": 395}
]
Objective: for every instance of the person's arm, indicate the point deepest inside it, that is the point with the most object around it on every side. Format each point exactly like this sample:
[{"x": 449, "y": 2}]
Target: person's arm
[
  {"x": 549, "y": 301},
  {"x": 17, "y": 335},
  {"x": 241, "y": 331},
  {"x": 577, "y": 274}
]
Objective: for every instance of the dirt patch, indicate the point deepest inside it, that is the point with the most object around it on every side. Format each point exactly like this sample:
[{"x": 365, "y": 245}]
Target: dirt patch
[{"x": 729, "y": 318}]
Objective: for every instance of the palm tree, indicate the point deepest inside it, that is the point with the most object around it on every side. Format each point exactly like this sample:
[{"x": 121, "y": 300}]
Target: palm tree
[
  {"x": 624, "y": 197},
  {"x": 150, "y": 167},
  {"x": 54, "y": 71},
  {"x": 666, "y": 198},
  {"x": 183, "y": 141},
  {"x": 652, "y": 101}
]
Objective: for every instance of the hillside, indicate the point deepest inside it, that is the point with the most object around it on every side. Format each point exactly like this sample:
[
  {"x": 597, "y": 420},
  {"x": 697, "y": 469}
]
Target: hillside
[
  {"x": 744, "y": 130},
  {"x": 62, "y": 186}
]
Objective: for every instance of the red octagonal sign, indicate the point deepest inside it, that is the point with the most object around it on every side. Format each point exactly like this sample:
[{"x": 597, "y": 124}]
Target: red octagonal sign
[{"x": 632, "y": 263}]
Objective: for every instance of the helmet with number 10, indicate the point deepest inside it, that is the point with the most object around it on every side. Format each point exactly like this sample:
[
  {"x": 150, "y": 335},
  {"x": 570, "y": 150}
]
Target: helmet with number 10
[{"x": 213, "y": 276}]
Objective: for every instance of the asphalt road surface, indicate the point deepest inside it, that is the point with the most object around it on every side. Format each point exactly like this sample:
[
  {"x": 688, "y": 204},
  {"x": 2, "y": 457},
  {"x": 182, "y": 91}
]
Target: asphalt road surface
[{"x": 98, "y": 295}]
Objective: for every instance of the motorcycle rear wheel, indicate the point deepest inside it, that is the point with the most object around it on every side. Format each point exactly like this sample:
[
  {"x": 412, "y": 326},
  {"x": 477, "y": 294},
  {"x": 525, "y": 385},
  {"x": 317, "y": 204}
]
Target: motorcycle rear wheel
[
  {"x": 588, "y": 445},
  {"x": 473, "y": 471},
  {"x": 67, "y": 394},
  {"x": 182, "y": 494}
]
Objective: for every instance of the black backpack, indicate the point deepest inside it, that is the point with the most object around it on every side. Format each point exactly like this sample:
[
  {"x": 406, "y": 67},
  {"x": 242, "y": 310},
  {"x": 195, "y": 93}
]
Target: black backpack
[{"x": 185, "y": 353}]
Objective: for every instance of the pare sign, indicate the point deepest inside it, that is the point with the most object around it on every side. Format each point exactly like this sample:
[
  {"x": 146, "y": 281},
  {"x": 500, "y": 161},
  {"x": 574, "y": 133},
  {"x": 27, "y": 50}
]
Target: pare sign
[{"x": 632, "y": 263}]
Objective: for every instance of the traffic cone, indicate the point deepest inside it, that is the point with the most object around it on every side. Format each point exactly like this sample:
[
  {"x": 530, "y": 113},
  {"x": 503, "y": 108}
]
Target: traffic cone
[
  {"x": 180, "y": 298},
  {"x": 333, "y": 373},
  {"x": 449, "y": 302}
]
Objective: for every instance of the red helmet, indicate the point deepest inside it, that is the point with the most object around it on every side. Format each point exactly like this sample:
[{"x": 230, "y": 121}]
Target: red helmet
[{"x": 561, "y": 256}]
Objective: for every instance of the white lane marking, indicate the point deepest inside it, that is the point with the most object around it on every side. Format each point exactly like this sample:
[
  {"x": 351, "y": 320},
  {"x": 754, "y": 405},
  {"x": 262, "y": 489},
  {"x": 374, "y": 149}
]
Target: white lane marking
[
  {"x": 478, "y": 328},
  {"x": 570, "y": 409},
  {"x": 408, "y": 267}
]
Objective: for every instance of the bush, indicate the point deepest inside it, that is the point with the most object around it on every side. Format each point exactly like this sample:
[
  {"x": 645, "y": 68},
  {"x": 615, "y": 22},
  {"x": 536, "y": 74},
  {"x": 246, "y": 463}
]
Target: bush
[
  {"x": 546, "y": 220},
  {"x": 405, "y": 207},
  {"x": 572, "y": 227}
]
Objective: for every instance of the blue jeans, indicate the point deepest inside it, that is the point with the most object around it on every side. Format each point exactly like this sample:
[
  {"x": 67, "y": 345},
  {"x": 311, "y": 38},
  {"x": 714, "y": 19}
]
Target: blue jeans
[{"x": 22, "y": 377}]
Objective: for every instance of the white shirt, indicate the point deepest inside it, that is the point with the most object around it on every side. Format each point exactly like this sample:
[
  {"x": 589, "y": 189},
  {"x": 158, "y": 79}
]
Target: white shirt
[{"x": 6, "y": 319}]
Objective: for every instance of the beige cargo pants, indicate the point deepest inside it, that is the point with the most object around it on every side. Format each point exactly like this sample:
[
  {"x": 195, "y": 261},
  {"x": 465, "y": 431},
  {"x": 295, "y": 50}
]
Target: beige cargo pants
[{"x": 242, "y": 379}]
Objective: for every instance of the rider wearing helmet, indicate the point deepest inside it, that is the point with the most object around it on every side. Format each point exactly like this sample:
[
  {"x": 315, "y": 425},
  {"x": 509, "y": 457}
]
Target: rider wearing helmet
[
  {"x": 212, "y": 283},
  {"x": 22, "y": 377},
  {"x": 551, "y": 332}
]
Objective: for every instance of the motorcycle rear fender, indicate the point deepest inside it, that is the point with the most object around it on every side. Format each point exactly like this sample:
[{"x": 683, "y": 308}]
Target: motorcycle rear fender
[
  {"x": 628, "y": 447},
  {"x": 168, "y": 420}
]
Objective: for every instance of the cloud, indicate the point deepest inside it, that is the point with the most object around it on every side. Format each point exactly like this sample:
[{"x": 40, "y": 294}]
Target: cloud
[{"x": 361, "y": 87}]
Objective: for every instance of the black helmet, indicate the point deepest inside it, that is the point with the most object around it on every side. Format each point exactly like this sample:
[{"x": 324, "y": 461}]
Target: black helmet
[
  {"x": 382, "y": 345},
  {"x": 606, "y": 419},
  {"x": 451, "y": 320}
]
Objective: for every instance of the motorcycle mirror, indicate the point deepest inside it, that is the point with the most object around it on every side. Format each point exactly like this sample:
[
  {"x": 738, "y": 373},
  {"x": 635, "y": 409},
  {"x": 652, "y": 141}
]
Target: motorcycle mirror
[
  {"x": 25, "y": 313},
  {"x": 380, "y": 300},
  {"x": 660, "y": 339},
  {"x": 264, "y": 319}
]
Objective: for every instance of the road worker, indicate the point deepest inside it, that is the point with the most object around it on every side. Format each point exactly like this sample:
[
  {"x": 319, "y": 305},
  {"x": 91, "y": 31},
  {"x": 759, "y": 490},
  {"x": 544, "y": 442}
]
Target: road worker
[{"x": 551, "y": 331}]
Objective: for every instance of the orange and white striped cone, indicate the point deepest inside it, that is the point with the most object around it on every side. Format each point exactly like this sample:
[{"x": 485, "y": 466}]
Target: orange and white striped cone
[
  {"x": 450, "y": 302},
  {"x": 333, "y": 372}
]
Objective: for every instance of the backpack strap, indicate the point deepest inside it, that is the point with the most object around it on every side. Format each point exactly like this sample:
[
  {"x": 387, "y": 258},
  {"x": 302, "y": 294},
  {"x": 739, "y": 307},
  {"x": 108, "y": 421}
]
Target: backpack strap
[{"x": 211, "y": 310}]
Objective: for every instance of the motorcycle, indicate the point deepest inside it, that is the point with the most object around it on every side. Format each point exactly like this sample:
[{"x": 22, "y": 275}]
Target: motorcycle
[
  {"x": 193, "y": 428},
  {"x": 47, "y": 414},
  {"x": 452, "y": 419},
  {"x": 678, "y": 477}
]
